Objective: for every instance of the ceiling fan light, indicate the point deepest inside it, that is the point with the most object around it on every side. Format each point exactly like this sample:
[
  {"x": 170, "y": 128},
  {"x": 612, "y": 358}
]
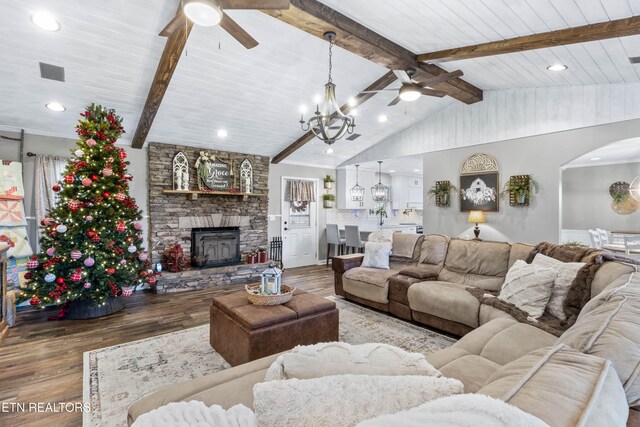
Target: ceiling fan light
[
  {"x": 409, "y": 93},
  {"x": 634, "y": 189},
  {"x": 205, "y": 13}
]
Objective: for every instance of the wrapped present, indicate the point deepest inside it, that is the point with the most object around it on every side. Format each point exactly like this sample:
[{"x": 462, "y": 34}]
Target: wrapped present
[
  {"x": 11, "y": 180},
  {"x": 16, "y": 268},
  {"x": 12, "y": 213},
  {"x": 16, "y": 239}
]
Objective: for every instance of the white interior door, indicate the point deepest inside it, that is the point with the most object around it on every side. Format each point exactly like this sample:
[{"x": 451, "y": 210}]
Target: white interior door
[{"x": 299, "y": 230}]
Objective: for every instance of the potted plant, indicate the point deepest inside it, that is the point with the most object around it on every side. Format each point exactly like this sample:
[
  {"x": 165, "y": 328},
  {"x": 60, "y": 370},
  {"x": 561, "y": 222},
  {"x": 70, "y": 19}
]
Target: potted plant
[
  {"x": 328, "y": 182},
  {"x": 328, "y": 200},
  {"x": 382, "y": 213},
  {"x": 442, "y": 192},
  {"x": 521, "y": 189}
]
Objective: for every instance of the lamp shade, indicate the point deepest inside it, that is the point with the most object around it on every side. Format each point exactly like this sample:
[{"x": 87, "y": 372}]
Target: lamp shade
[
  {"x": 476, "y": 216},
  {"x": 634, "y": 189}
]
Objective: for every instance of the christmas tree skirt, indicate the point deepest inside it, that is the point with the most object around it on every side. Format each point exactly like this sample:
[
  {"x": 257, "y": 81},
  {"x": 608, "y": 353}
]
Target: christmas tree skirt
[
  {"x": 115, "y": 377},
  {"x": 85, "y": 309}
]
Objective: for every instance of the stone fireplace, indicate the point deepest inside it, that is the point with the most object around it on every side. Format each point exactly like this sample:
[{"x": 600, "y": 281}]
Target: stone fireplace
[{"x": 218, "y": 245}]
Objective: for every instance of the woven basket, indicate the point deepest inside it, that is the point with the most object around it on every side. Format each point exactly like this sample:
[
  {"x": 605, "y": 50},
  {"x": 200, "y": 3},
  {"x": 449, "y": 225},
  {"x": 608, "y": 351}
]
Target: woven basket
[{"x": 261, "y": 299}]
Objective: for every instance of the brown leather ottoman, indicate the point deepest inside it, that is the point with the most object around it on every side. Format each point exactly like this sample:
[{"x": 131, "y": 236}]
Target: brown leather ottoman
[{"x": 242, "y": 332}]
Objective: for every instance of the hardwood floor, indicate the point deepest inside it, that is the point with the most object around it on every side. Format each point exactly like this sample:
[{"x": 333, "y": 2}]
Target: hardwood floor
[{"x": 41, "y": 360}]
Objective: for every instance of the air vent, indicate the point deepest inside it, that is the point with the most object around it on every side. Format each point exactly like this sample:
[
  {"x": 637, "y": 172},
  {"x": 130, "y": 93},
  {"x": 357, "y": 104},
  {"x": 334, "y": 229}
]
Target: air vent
[
  {"x": 354, "y": 136},
  {"x": 51, "y": 72},
  {"x": 634, "y": 59}
]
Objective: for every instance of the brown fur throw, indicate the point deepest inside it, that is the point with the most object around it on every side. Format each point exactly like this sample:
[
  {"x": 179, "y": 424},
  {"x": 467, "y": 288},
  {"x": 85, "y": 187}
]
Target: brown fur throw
[{"x": 546, "y": 322}]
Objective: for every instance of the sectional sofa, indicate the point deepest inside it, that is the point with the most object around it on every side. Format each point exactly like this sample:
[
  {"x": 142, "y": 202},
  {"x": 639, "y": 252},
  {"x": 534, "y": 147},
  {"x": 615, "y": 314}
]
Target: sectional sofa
[{"x": 587, "y": 376}]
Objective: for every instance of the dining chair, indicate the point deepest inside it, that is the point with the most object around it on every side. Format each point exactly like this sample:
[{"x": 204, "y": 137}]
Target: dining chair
[
  {"x": 596, "y": 243},
  {"x": 333, "y": 238},
  {"x": 632, "y": 245},
  {"x": 608, "y": 243},
  {"x": 352, "y": 235}
]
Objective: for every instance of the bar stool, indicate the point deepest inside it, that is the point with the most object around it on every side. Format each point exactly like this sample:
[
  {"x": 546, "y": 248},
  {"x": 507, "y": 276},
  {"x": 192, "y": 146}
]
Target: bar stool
[
  {"x": 333, "y": 238},
  {"x": 353, "y": 241}
]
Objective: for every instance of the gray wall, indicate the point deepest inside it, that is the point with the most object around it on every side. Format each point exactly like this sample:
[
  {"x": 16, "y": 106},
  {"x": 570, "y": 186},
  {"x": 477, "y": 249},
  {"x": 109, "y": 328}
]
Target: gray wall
[
  {"x": 276, "y": 172},
  {"x": 60, "y": 147},
  {"x": 541, "y": 156},
  {"x": 586, "y": 202}
]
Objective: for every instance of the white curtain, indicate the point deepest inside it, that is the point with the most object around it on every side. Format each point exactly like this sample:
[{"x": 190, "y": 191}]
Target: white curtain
[{"x": 49, "y": 171}]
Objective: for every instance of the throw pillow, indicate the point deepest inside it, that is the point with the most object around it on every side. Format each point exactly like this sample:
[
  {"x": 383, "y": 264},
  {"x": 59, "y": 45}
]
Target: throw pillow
[
  {"x": 339, "y": 358},
  {"x": 376, "y": 255},
  {"x": 567, "y": 272},
  {"x": 196, "y": 413},
  {"x": 460, "y": 410},
  {"x": 381, "y": 236},
  {"x": 344, "y": 400},
  {"x": 528, "y": 287}
]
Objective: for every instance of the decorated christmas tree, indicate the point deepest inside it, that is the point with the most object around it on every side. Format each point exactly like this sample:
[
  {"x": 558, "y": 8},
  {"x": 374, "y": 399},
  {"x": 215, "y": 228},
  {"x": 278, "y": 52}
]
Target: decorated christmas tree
[{"x": 91, "y": 240}]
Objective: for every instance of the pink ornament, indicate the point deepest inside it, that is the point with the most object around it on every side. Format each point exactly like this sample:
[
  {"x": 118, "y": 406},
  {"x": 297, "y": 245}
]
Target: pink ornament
[
  {"x": 32, "y": 264},
  {"x": 123, "y": 261},
  {"x": 48, "y": 220},
  {"x": 51, "y": 251},
  {"x": 88, "y": 218},
  {"x": 140, "y": 236},
  {"x": 120, "y": 197},
  {"x": 110, "y": 160},
  {"x": 86, "y": 182},
  {"x": 87, "y": 285},
  {"x": 137, "y": 225},
  {"x": 121, "y": 227},
  {"x": 127, "y": 292},
  {"x": 89, "y": 262},
  {"x": 76, "y": 254},
  {"x": 107, "y": 172},
  {"x": 76, "y": 277},
  {"x": 91, "y": 142},
  {"x": 142, "y": 256}
]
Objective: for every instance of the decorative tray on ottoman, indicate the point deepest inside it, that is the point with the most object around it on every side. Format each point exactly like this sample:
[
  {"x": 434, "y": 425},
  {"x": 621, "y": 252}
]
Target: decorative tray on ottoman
[{"x": 257, "y": 298}]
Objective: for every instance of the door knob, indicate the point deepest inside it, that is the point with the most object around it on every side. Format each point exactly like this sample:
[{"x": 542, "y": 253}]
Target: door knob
[{"x": 285, "y": 229}]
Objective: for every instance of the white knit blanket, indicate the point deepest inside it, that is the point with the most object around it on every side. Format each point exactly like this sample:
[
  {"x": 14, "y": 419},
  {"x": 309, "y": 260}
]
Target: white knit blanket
[{"x": 197, "y": 414}]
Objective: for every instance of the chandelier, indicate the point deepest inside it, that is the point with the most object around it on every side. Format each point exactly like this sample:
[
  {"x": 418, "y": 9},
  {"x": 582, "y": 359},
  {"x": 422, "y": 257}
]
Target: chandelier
[
  {"x": 357, "y": 191},
  {"x": 380, "y": 192},
  {"x": 329, "y": 123}
]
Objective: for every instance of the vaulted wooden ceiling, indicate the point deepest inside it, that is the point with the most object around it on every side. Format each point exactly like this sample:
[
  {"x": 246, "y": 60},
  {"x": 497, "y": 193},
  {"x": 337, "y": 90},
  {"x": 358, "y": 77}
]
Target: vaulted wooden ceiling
[{"x": 111, "y": 52}]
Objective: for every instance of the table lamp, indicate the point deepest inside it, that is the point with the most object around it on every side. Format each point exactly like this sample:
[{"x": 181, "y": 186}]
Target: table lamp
[{"x": 477, "y": 217}]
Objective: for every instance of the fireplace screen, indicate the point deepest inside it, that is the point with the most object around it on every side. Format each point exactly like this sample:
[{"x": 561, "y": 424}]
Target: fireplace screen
[{"x": 215, "y": 246}]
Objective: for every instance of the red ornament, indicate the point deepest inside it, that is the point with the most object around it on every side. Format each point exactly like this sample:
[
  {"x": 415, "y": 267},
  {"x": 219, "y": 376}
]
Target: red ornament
[
  {"x": 144, "y": 273},
  {"x": 86, "y": 182},
  {"x": 122, "y": 155},
  {"x": 95, "y": 239},
  {"x": 60, "y": 281},
  {"x": 56, "y": 188},
  {"x": 106, "y": 194},
  {"x": 121, "y": 227},
  {"x": 34, "y": 301},
  {"x": 74, "y": 205},
  {"x": 28, "y": 276},
  {"x": 32, "y": 264},
  {"x": 76, "y": 277},
  {"x": 111, "y": 270},
  {"x": 151, "y": 280},
  {"x": 94, "y": 178},
  {"x": 69, "y": 179},
  {"x": 120, "y": 197}
]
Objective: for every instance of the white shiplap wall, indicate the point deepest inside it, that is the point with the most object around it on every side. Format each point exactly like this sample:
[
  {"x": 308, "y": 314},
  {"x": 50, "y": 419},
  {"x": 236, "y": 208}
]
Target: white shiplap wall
[{"x": 511, "y": 113}]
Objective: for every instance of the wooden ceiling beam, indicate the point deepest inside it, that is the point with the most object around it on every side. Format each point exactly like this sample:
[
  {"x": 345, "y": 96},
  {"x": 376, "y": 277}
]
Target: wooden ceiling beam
[
  {"x": 587, "y": 33},
  {"x": 381, "y": 83},
  {"x": 316, "y": 18},
  {"x": 168, "y": 63}
]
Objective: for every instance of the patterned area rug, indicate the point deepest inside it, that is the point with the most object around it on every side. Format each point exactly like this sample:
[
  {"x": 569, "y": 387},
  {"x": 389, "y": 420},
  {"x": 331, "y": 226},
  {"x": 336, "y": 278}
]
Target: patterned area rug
[{"x": 115, "y": 377}]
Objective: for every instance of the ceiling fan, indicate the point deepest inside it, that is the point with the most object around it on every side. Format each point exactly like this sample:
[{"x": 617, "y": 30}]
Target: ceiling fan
[
  {"x": 412, "y": 89},
  {"x": 208, "y": 13}
]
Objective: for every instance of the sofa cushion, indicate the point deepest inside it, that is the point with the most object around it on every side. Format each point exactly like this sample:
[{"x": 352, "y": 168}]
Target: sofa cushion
[
  {"x": 368, "y": 283},
  {"x": 607, "y": 274},
  {"x": 528, "y": 287},
  {"x": 339, "y": 358},
  {"x": 476, "y": 263},
  {"x": 434, "y": 249},
  {"x": 489, "y": 313},
  {"x": 407, "y": 245},
  {"x": 567, "y": 272},
  {"x": 612, "y": 331},
  {"x": 381, "y": 236},
  {"x": 519, "y": 251},
  {"x": 562, "y": 387},
  {"x": 418, "y": 273},
  {"x": 472, "y": 370},
  {"x": 344, "y": 400},
  {"x": 449, "y": 301},
  {"x": 376, "y": 255}
]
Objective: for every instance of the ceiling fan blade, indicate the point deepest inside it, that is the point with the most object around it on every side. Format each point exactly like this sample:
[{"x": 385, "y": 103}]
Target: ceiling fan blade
[
  {"x": 376, "y": 91},
  {"x": 237, "y": 32},
  {"x": 431, "y": 92},
  {"x": 174, "y": 24},
  {"x": 441, "y": 78},
  {"x": 402, "y": 76},
  {"x": 254, "y": 4},
  {"x": 394, "y": 102}
]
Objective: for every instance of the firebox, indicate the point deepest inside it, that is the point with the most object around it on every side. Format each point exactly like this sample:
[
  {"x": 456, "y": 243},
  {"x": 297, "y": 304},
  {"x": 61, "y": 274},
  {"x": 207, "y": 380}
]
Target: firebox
[{"x": 215, "y": 246}]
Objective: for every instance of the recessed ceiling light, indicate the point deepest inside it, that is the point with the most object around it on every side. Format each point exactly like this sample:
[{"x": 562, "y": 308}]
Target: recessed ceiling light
[
  {"x": 557, "y": 67},
  {"x": 222, "y": 133},
  {"x": 382, "y": 118},
  {"x": 392, "y": 171},
  {"x": 416, "y": 170},
  {"x": 45, "y": 20},
  {"x": 55, "y": 106},
  {"x": 352, "y": 102},
  {"x": 595, "y": 158},
  {"x": 329, "y": 150},
  {"x": 303, "y": 109}
]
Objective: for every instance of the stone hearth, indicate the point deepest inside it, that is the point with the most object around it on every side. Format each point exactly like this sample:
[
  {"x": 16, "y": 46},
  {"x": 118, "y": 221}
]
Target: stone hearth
[{"x": 200, "y": 278}]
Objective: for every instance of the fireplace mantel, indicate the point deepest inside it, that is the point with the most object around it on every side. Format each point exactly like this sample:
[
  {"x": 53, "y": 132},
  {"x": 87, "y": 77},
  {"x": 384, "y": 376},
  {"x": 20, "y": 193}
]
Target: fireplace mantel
[{"x": 193, "y": 195}]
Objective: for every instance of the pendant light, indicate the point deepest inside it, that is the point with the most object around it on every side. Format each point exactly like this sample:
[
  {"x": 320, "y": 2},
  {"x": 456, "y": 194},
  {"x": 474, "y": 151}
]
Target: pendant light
[
  {"x": 357, "y": 191},
  {"x": 380, "y": 192}
]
